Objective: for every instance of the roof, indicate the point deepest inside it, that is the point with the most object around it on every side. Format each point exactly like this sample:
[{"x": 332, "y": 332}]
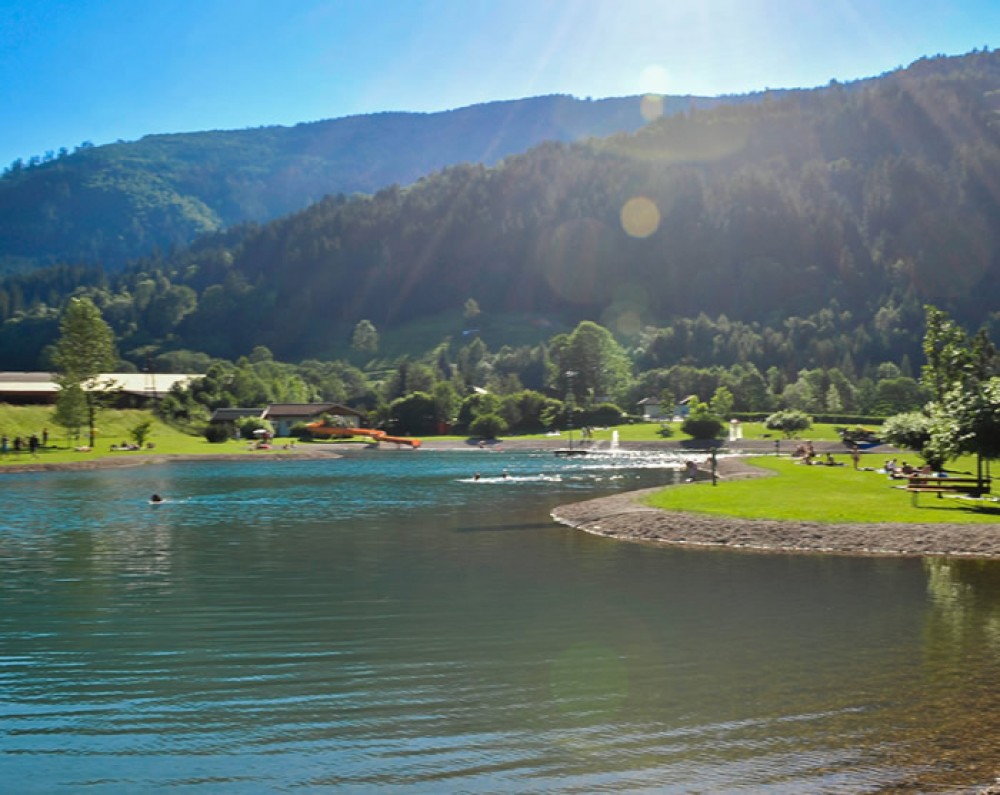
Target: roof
[
  {"x": 229, "y": 414},
  {"x": 145, "y": 384},
  {"x": 22, "y": 378},
  {"x": 152, "y": 384},
  {"x": 649, "y": 402},
  {"x": 308, "y": 410}
]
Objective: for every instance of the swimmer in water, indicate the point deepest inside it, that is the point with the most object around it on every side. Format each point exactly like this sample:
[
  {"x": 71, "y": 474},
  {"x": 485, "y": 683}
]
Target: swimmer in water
[{"x": 156, "y": 498}]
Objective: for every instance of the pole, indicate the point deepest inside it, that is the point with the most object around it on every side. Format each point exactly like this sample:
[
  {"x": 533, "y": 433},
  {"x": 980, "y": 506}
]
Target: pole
[{"x": 569, "y": 405}]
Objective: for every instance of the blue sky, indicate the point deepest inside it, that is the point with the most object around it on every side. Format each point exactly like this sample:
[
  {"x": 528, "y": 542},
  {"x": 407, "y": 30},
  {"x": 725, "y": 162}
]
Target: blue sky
[{"x": 104, "y": 70}]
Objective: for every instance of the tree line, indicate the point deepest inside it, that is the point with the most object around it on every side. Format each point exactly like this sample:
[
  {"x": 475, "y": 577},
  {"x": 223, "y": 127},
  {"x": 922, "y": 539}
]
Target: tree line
[{"x": 576, "y": 378}]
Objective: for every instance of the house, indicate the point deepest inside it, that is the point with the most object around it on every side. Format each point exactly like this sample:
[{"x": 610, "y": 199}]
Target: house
[
  {"x": 135, "y": 390},
  {"x": 27, "y": 388},
  {"x": 651, "y": 409},
  {"x": 230, "y": 416},
  {"x": 283, "y": 416},
  {"x": 683, "y": 407}
]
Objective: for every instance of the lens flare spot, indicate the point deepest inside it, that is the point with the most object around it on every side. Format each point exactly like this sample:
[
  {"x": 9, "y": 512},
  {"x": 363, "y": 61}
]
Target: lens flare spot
[
  {"x": 571, "y": 257},
  {"x": 654, "y": 79},
  {"x": 651, "y": 106},
  {"x": 628, "y": 324},
  {"x": 640, "y": 217}
]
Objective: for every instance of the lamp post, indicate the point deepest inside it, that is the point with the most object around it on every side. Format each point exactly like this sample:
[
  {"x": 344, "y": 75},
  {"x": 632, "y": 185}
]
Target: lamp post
[{"x": 569, "y": 404}]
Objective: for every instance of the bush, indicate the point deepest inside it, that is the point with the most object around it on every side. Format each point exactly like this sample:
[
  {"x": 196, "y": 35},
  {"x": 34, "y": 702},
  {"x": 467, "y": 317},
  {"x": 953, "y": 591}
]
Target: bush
[
  {"x": 701, "y": 423},
  {"x": 300, "y": 430},
  {"x": 248, "y": 425},
  {"x": 414, "y": 413},
  {"x": 789, "y": 422},
  {"x": 475, "y": 406},
  {"x": 912, "y": 430},
  {"x": 216, "y": 433},
  {"x": 140, "y": 432},
  {"x": 604, "y": 414},
  {"x": 528, "y": 411},
  {"x": 487, "y": 426},
  {"x": 703, "y": 427}
]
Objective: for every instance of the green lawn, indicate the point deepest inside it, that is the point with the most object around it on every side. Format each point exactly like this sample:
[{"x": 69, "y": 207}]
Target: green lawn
[
  {"x": 821, "y": 494},
  {"x": 650, "y": 432},
  {"x": 113, "y": 427}
]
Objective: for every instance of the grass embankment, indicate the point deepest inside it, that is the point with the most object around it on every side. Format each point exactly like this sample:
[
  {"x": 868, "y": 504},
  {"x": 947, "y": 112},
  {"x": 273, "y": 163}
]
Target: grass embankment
[
  {"x": 824, "y": 494},
  {"x": 113, "y": 428},
  {"x": 650, "y": 432}
]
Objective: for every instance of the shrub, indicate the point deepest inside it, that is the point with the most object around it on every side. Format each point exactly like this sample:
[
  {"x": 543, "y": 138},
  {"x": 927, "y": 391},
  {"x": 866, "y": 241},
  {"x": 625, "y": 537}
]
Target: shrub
[
  {"x": 701, "y": 423},
  {"x": 487, "y": 426},
  {"x": 248, "y": 425},
  {"x": 702, "y": 427},
  {"x": 475, "y": 406},
  {"x": 912, "y": 430},
  {"x": 414, "y": 413},
  {"x": 604, "y": 414},
  {"x": 140, "y": 432},
  {"x": 216, "y": 433},
  {"x": 300, "y": 430},
  {"x": 789, "y": 422}
]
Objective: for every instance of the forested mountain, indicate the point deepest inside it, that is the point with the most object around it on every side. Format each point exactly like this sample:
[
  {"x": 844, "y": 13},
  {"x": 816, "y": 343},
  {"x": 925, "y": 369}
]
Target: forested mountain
[
  {"x": 804, "y": 231},
  {"x": 108, "y": 204}
]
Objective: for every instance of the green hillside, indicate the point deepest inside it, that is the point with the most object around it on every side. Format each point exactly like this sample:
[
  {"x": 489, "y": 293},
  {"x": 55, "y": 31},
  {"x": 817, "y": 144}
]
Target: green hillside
[{"x": 109, "y": 204}]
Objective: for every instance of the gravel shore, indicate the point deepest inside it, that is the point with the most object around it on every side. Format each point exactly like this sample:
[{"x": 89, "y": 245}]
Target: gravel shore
[{"x": 627, "y": 517}]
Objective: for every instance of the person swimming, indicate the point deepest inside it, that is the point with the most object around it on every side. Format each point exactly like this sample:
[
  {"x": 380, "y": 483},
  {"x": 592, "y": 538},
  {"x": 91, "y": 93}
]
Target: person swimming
[{"x": 156, "y": 498}]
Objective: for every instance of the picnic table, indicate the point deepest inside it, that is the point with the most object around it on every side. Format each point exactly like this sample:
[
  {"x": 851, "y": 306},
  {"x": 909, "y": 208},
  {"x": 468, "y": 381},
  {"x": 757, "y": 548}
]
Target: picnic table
[{"x": 943, "y": 484}]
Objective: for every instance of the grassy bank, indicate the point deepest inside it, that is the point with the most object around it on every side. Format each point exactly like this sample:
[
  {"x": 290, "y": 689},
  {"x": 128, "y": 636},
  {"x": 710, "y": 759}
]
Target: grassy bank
[
  {"x": 823, "y": 494},
  {"x": 650, "y": 432},
  {"x": 113, "y": 428}
]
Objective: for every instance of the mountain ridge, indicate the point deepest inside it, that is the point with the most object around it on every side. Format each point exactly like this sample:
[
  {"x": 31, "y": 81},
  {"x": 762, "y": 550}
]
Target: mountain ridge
[
  {"x": 113, "y": 203},
  {"x": 804, "y": 230}
]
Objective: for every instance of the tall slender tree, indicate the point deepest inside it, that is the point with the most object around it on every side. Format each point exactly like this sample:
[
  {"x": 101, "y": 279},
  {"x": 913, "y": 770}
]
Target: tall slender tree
[{"x": 85, "y": 349}]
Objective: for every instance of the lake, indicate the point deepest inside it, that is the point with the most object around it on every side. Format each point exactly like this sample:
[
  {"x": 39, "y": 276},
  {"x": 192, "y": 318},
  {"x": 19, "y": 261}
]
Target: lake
[{"x": 387, "y": 622}]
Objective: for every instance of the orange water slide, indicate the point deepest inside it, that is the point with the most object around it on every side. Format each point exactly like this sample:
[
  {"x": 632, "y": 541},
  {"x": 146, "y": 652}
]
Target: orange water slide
[
  {"x": 414, "y": 443},
  {"x": 319, "y": 429}
]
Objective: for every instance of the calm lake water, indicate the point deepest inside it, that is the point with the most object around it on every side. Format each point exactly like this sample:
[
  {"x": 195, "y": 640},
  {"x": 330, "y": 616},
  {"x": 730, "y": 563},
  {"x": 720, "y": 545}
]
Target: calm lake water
[{"x": 383, "y": 621}]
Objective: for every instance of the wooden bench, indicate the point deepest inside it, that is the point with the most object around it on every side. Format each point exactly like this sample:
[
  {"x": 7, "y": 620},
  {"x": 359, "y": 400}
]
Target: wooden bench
[{"x": 970, "y": 487}]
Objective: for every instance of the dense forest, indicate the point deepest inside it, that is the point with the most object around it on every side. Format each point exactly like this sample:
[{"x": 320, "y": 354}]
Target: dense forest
[
  {"x": 108, "y": 204},
  {"x": 800, "y": 234}
]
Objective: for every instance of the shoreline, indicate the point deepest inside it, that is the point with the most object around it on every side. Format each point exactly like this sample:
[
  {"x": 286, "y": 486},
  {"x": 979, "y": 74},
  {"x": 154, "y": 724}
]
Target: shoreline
[
  {"x": 627, "y": 518},
  {"x": 307, "y": 450}
]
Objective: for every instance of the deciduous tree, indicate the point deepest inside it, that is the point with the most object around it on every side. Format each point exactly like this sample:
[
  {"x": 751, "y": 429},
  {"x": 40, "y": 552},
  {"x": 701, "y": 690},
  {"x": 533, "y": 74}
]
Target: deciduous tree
[{"x": 365, "y": 338}]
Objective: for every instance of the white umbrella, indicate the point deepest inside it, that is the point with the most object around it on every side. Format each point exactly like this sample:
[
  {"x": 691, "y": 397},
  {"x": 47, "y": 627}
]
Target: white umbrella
[{"x": 260, "y": 432}]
